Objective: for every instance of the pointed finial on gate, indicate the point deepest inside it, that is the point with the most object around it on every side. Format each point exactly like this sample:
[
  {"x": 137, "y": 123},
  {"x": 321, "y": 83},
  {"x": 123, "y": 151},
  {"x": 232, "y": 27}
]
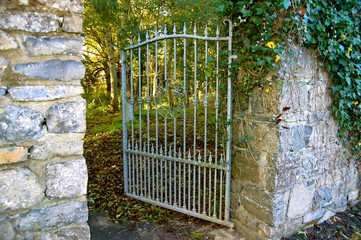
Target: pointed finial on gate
[
  {"x": 185, "y": 28},
  {"x": 210, "y": 157},
  {"x": 199, "y": 157},
  {"x": 179, "y": 153},
  {"x": 165, "y": 30},
  {"x": 138, "y": 37},
  {"x": 161, "y": 150},
  {"x": 174, "y": 29},
  {"x": 131, "y": 41},
  {"x": 144, "y": 147},
  {"x": 147, "y": 35},
  {"x": 195, "y": 29},
  {"x": 206, "y": 31},
  {"x": 217, "y": 31}
]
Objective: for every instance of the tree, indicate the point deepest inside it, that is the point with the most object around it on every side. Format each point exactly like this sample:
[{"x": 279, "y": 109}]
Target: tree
[{"x": 108, "y": 25}]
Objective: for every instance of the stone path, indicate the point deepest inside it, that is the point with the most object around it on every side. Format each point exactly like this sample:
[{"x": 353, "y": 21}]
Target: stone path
[{"x": 103, "y": 229}]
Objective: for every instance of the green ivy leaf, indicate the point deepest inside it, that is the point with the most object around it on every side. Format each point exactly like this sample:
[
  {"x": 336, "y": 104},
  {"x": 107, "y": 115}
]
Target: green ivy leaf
[
  {"x": 246, "y": 13},
  {"x": 256, "y": 20},
  {"x": 260, "y": 10}
]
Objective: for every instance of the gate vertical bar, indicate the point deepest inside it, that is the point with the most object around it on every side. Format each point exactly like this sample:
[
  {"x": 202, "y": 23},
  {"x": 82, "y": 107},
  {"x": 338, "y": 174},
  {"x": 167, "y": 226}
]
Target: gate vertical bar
[
  {"x": 165, "y": 120},
  {"x": 195, "y": 102},
  {"x": 175, "y": 117},
  {"x": 229, "y": 126},
  {"x": 148, "y": 113},
  {"x": 216, "y": 105},
  {"x": 156, "y": 115},
  {"x": 124, "y": 123},
  {"x": 184, "y": 111},
  {"x": 132, "y": 122}
]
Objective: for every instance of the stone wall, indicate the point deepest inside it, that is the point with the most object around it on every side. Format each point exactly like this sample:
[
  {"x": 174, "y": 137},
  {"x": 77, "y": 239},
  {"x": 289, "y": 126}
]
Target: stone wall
[
  {"x": 291, "y": 171},
  {"x": 43, "y": 176}
]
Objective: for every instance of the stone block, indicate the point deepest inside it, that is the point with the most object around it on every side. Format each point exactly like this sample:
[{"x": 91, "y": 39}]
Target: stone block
[
  {"x": 257, "y": 210},
  {"x": 75, "y": 6},
  {"x": 3, "y": 89},
  {"x": 66, "y": 179},
  {"x": 280, "y": 205},
  {"x": 353, "y": 196},
  {"x": 322, "y": 197},
  {"x": 7, "y": 42},
  {"x": 56, "y": 149},
  {"x": 53, "y": 46},
  {"x": 352, "y": 178},
  {"x": 244, "y": 221},
  {"x": 263, "y": 198},
  {"x": 63, "y": 214},
  {"x": 13, "y": 155},
  {"x": 294, "y": 96},
  {"x": 256, "y": 102},
  {"x": 30, "y": 21},
  {"x": 318, "y": 98},
  {"x": 313, "y": 216},
  {"x": 19, "y": 189},
  {"x": 300, "y": 201},
  {"x": 301, "y": 136},
  {"x": 248, "y": 173},
  {"x": 4, "y": 63},
  {"x": 73, "y": 24},
  {"x": 19, "y": 123},
  {"x": 7, "y": 231},
  {"x": 66, "y": 117},
  {"x": 326, "y": 216},
  {"x": 62, "y": 70},
  {"x": 44, "y": 93},
  {"x": 276, "y": 232},
  {"x": 247, "y": 232},
  {"x": 339, "y": 204},
  {"x": 74, "y": 233}
]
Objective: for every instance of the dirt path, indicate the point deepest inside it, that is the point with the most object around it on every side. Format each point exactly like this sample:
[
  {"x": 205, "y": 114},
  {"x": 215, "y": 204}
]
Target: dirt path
[{"x": 103, "y": 229}]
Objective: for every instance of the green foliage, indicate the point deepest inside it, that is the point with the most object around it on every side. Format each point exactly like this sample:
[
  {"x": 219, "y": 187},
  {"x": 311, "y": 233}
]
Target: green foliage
[
  {"x": 334, "y": 29},
  {"x": 265, "y": 29},
  {"x": 197, "y": 235},
  {"x": 262, "y": 31}
]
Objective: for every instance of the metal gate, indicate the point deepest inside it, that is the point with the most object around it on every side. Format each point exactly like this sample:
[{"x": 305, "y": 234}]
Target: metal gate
[{"x": 177, "y": 110}]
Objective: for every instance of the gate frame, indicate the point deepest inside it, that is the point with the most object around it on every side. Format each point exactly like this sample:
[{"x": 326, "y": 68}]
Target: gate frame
[{"x": 226, "y": 221}]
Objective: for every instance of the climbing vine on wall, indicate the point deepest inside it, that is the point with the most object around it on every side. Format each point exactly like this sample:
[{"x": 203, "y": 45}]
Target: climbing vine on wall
[
  {"x": 265, "y": 29},
  {"x": 333, "y": 29}
]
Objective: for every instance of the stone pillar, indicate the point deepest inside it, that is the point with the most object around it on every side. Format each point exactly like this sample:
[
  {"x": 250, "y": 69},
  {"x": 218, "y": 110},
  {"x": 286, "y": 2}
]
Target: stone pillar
[
  {"x": 43, "y": 174},
  {"x": 290, "y": 169}
]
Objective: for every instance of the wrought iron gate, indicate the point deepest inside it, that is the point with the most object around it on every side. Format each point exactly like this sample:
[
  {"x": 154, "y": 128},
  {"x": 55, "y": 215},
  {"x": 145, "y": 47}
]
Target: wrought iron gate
[{"x": 176, "y": 121}]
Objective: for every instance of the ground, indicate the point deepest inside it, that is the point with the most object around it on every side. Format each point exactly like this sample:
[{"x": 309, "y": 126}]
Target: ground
[{"x": 114, "y": 216}]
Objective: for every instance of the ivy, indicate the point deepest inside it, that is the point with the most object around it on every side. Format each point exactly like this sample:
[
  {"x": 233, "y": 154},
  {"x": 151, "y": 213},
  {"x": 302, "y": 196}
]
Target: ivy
[
  {"x": 333, "y": 29},
  {"x": 264, "y": 29}
]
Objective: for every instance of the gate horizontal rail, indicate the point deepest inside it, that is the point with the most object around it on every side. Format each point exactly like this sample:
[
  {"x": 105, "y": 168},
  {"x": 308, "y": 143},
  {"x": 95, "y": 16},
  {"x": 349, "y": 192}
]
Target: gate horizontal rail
[
  {"x": 178, "y": 160},
  {"x": 186, "y": 170}
]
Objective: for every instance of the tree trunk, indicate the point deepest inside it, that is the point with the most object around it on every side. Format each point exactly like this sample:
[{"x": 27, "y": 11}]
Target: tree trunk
[{"x": 114, "y": 82}]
